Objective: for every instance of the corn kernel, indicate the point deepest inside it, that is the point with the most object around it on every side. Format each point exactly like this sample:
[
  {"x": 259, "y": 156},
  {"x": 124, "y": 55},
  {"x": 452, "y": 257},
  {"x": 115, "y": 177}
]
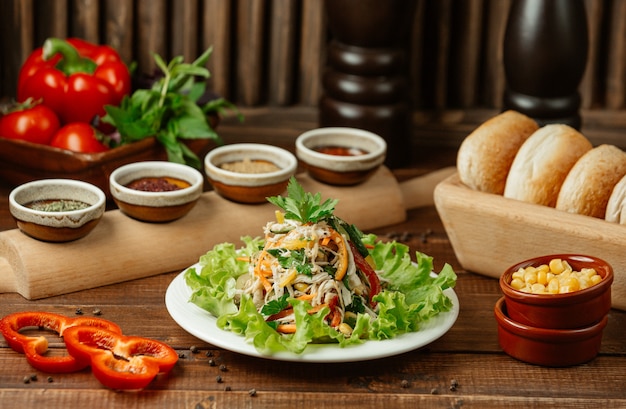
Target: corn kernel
[
  {"x": 553, "y": 286},
  {"x": 542, "y": 277},
  {"x": 538, "y": 288},
  {"x": 596, "y": 279},
  {"x": 530, "y": 277},
  {"x": 555, "y": 277},
  {"x": 517, "y": 283},
  {"x": 345, "y": 329},
  {"x": 301, "y": 286},
  {"x": 573, "y": 284},
  {"x": 518, "y": 274},
  {"x": 556, "y": 266}
]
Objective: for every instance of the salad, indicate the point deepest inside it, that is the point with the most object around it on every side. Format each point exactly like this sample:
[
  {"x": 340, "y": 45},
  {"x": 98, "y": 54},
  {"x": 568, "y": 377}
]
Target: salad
[{"x": 314, "y": 278}]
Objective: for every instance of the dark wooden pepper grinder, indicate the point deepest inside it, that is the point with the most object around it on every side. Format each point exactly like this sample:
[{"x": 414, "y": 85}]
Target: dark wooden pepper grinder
[
  {"x": 545, "y": 55},
  {"x": 365, "y": 83}
]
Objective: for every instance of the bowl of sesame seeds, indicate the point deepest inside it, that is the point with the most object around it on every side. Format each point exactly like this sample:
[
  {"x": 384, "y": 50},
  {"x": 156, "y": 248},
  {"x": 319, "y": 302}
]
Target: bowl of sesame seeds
[{"x": 249, "y": 172}]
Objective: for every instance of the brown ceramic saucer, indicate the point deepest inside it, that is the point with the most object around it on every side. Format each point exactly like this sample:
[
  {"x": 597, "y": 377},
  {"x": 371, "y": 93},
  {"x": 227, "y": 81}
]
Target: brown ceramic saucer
[{"x": 547, "y": 347}]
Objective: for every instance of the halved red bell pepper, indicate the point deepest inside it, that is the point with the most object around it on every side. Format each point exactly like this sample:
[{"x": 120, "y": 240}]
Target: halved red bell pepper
[
  {"x": 118, "y": 361},
  {"x": 34, "y": 347},
  {"x": 74, "y": 78}
]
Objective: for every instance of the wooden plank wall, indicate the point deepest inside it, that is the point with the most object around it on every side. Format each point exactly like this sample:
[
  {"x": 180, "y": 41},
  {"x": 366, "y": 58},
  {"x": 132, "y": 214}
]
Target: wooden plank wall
[{"x": 271, "y": 52}]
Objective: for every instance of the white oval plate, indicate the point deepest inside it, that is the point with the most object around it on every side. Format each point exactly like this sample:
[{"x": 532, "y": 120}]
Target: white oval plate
[{"x": 201, "y": 324}]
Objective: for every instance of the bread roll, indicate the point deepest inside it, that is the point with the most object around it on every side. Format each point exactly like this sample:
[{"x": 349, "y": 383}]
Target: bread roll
[
  {"x": 588, "y": 186},
  {"x": 543, "y": 162},
  {"x": 616, "y": 206},
  {"x": 485, "y": 156}
]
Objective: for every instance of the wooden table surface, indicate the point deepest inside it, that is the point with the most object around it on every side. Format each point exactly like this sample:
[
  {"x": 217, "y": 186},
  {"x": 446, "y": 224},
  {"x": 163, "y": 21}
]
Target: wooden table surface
[{"x": 465, "y": 368}]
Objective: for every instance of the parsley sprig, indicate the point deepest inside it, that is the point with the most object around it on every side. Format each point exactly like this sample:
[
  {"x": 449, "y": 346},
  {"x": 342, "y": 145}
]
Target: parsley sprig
[
  {"x": 303, "y": 206},
  {"x": 169, "y": 110}
]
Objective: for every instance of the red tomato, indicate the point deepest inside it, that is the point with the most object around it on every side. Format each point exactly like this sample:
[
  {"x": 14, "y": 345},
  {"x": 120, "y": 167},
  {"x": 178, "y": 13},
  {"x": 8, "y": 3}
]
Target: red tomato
[
  {"x": 78, "y": 137},
  {"x": 36, "y": 124}
]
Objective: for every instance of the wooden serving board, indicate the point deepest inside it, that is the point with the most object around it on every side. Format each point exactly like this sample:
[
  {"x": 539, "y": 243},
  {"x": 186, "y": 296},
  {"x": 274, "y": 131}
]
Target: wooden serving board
[
  {"x": 490, "y": 233},
  {"x": 121, "y": 248}
]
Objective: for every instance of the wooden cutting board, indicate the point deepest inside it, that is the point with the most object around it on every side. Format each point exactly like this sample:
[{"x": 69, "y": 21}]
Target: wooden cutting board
[{"x": 121, "y": 248}]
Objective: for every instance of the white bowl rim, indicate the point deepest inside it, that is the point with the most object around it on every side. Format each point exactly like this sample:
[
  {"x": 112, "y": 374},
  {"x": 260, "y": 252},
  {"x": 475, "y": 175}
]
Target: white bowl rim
[
  {"x": 371, "y": 136},
  {"x": 100, "y": 202},
  {"x": 253, "y": 179},
  {"x": 196, "y": 179}
]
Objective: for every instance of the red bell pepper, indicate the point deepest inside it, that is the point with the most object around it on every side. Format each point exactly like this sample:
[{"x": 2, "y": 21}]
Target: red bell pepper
[
  {"x": 117, "y": 361},
  {"x": 34, "y": 347},
  {"x": 75, "y": 78},
  {"x": 369, "y": 273}
]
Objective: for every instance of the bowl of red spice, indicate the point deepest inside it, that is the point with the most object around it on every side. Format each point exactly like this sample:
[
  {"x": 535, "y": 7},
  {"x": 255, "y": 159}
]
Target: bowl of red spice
[
  {"x": 156, "y": 191},
  {"x": 57, "y": 210},
  {"x": 249, "y": 172},
  {"x": 341, "y": 155}
]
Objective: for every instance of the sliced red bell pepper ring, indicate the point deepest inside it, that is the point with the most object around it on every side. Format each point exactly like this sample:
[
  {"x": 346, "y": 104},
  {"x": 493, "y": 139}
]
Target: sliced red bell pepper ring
[
  {"x": 34, "y": 347},
  {"x": 117, "y": 361}
]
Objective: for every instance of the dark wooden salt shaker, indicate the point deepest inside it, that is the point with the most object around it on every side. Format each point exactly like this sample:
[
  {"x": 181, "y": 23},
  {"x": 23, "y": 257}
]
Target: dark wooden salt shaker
[
  {"x": 545, "y": 55},
  {"x": 365, "y": 83}
]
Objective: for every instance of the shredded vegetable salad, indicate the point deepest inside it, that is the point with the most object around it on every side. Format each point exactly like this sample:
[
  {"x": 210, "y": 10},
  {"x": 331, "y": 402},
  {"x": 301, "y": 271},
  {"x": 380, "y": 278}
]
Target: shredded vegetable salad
[{"x": 313, "y": 278}]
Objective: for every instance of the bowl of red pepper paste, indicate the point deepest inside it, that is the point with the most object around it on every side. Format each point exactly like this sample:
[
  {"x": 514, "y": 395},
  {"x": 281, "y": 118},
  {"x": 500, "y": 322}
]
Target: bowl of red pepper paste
[
  {"x": 156, "y": 191},
  {"x": 341, "y": 155}
]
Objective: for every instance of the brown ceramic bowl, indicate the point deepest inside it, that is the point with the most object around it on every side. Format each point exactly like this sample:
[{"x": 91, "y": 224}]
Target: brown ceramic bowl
[
  {"x": 565, "y": 311},
  {"x": 548, "y": 347},
  {"x": 156, "y": 206},
  {"x": 57, "y": 226},
  {"x": 244, "y": 186},
  {"x": 340, "y": 155}
]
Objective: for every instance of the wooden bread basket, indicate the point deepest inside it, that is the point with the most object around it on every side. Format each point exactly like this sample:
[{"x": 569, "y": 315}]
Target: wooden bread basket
[{"x": 489, "y": 233}]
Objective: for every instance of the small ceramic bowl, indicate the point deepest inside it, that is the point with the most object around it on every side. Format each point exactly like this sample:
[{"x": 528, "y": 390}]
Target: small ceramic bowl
[
  {"x": 153, "y": 205},
  {"x": 339, "y": 155},
  {"x": 545, "y": 346},
  {"x": 55, "y": 223},
  {"x": 560, "y": 311},
  {"x": 232, "y": 171}
]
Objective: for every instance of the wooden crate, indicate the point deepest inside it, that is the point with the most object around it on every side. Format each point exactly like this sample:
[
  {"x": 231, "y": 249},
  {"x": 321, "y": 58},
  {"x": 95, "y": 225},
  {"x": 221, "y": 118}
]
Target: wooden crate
[{"x": 489, "y": 233}]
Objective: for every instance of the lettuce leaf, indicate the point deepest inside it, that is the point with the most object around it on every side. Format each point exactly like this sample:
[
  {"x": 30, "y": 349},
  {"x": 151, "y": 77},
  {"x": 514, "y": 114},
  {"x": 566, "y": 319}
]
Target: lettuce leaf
[
  {"x": 213, "y": 287},
  {"x": 411, "y": 296}
]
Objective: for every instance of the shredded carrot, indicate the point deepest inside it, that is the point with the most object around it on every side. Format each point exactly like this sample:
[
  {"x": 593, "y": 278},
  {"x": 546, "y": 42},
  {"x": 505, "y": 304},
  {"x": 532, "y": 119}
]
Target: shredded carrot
[
  {"x": 241, "y": 258},
  {"x": 305, "y": 297},
  {"x": 335, "y": 320},
  {"x": 266, "y": 284},
  {"x": 286, "y": 328},
  {"x": 325, "y": 241},
  {"x": 315, "y": 309}
]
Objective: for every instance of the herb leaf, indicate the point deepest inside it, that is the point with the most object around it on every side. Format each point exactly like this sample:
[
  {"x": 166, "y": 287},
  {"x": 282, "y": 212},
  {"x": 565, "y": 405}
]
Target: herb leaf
[
  {"x": 303, "y": 206},
  {"x": 275, "y": 306},
  {"x": 169, "y": 110},
  {"x": 292, "y": 259}
]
